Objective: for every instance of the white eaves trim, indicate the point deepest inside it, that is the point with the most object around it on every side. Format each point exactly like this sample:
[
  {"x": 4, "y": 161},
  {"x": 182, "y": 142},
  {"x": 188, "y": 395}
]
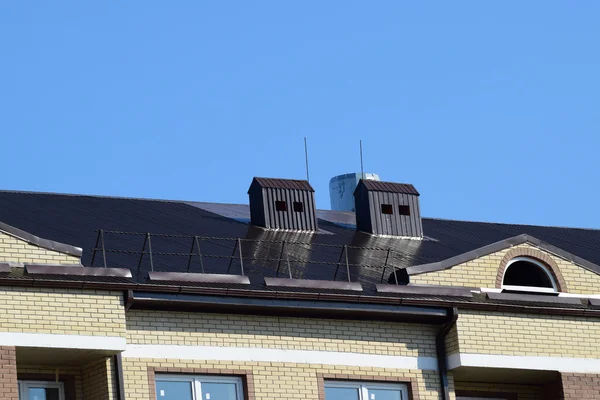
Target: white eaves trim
[
  {"x": 560, "y": 294},
  {"x": 215, "y": 353},
  {"x": 539, "y": 363},
  {"x": 44, "y": 340}
]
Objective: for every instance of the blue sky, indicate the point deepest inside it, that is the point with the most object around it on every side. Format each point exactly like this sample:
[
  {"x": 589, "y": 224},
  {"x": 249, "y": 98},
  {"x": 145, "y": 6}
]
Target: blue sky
[{"x": 491, "y": 109}]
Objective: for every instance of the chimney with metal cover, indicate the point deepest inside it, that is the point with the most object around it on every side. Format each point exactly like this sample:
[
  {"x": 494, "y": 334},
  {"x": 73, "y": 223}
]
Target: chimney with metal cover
[
  {"x": 287, "y": 204},
  {"x": 388, "y": 208}
]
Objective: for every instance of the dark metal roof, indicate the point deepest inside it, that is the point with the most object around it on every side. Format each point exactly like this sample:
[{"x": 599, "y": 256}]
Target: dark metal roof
[
  {"x": 391, "y": 187},
  {"x": 75, "y": 219},
  {"x": 276, "y": 183}
]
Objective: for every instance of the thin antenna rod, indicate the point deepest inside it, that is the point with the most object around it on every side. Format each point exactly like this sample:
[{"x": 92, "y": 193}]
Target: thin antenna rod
[
  {"x": 362, "y": 169},
  {"x": 306, "y": 157}
]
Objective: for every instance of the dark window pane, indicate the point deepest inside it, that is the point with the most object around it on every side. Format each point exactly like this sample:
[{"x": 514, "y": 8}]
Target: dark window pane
[
  {"x": 524, "y": 273},
  {"x": 166, "y": 390},
  {"x": 341, "y": 394},
  {"x": 280, "y": 205},
  {"x": 387, "y": 209},
  {"x": 400, "y": 277},
  {"x": 219, "y": 391},
  {"x": 298, "y": 206},
  {"x": 404, "y": 210},
  {"x": 385, "y": 394}
]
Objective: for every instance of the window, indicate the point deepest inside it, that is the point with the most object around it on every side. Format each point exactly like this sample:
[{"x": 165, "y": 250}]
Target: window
[
  {"x": 33, "y": 390},
  {"x": 364, "y": 391},
  {"x": 298, "y": 206},
  {"x": 387, "y": 209},
  {"x": 403, "y": 210},
  {"x": 399, "y": 277},
  {"x": 528, "y": 274},
  {"x": 185, "y": 387},
  {"x": 280, "y": 205}
]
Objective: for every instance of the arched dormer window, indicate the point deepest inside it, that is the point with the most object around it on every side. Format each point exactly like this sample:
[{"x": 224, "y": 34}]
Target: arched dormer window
[{"x": 528, "y": 274}]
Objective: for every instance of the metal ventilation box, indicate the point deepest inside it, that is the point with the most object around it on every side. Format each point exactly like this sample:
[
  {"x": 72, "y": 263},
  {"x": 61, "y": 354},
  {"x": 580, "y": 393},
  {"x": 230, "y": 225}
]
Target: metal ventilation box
[
  {"x": 283, "y": 204},
  {"x": 387, "y": 208}
]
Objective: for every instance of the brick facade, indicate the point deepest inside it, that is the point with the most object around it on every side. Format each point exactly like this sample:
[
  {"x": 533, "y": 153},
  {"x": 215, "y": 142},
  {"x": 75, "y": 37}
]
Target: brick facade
[
  {"x": 200, "y": 329},
  {"x": 281, "y": 380},
  {"x": 8, "y": 373},
  {"x": 62, "y": 311},
  {"x": 13, "y": 249},
  {"x": 98, "y": 380},
  {"x": 580, "y": 387},
  {"x": 483, "y": 272},
  {"x": 513, "y": 334},
  {"x": 275, "y": 380}
]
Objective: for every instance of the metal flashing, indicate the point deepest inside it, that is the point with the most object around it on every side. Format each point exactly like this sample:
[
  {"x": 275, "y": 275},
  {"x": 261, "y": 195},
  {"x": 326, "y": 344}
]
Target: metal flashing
[
  {"x": 39, "y": 269},
  {"x": 198, "y": 277},
  {"x": 277, "y": 183},
  {"x": 37, "y": 241},
  {"x": 425, "y": 289},
  {"x": 595, "y": 302},
  {"x": 498, "y": 246},
  {"x": 534, "y": 298},
  {"x": 313, "y": 284},
  {"x": 390, "y": 187}
]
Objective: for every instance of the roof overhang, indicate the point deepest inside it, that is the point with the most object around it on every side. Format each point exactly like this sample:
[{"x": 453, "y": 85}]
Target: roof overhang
[
  {"x": 498, "y": 246},
  {"x": 40, "y": 242}
]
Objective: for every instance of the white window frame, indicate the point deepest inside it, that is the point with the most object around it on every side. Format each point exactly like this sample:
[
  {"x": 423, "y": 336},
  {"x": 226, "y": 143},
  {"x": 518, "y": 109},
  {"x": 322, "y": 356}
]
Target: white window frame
[
  {"x": 553, "y": 289},
  {"x": 24, "y": 385},
  {"x": 197, "y": 380},
  {"x": 364, "y": 386}
]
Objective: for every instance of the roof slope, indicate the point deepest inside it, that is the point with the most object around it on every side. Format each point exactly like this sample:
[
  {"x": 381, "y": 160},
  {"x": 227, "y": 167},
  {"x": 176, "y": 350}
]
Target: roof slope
[{"x": 75, "y": 219}]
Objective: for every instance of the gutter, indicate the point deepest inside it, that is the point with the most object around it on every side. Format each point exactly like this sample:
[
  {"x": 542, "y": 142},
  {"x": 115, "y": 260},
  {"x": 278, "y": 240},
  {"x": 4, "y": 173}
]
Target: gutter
[
  {"x": 307, "y": 308},
  {"x": 119, "y": 380},
  {"x": 440, "y": 349}
]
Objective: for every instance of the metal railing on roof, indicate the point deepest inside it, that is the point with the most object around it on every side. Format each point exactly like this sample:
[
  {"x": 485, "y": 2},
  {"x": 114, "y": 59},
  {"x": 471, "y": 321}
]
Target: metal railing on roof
[{"x": 198, "y": 242}]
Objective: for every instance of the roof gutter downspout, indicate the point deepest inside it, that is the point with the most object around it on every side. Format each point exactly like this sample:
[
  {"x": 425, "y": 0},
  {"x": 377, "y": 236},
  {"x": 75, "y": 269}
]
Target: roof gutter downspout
[
  {"x": 120, "y": 382},
  {"x": 440, "y": 348}
]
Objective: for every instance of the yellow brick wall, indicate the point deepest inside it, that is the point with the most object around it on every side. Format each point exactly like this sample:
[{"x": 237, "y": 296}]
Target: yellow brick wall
[
  {"x": 482, "y": 272},
  {"x": 62, "y": 311},
  {"x": 274, "y": 380},
  {"x": 524, "y": 392},
  {"x": 13, "y": 249},
  {"x": 452, "y": 345},
  {"x": 278, "y": 380},
  {"x": 528, "y": 335},
  {"x": 367, "y": 337},
  {"x": 98, "y": 380},
  {"x": 73, "y": 371}
]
